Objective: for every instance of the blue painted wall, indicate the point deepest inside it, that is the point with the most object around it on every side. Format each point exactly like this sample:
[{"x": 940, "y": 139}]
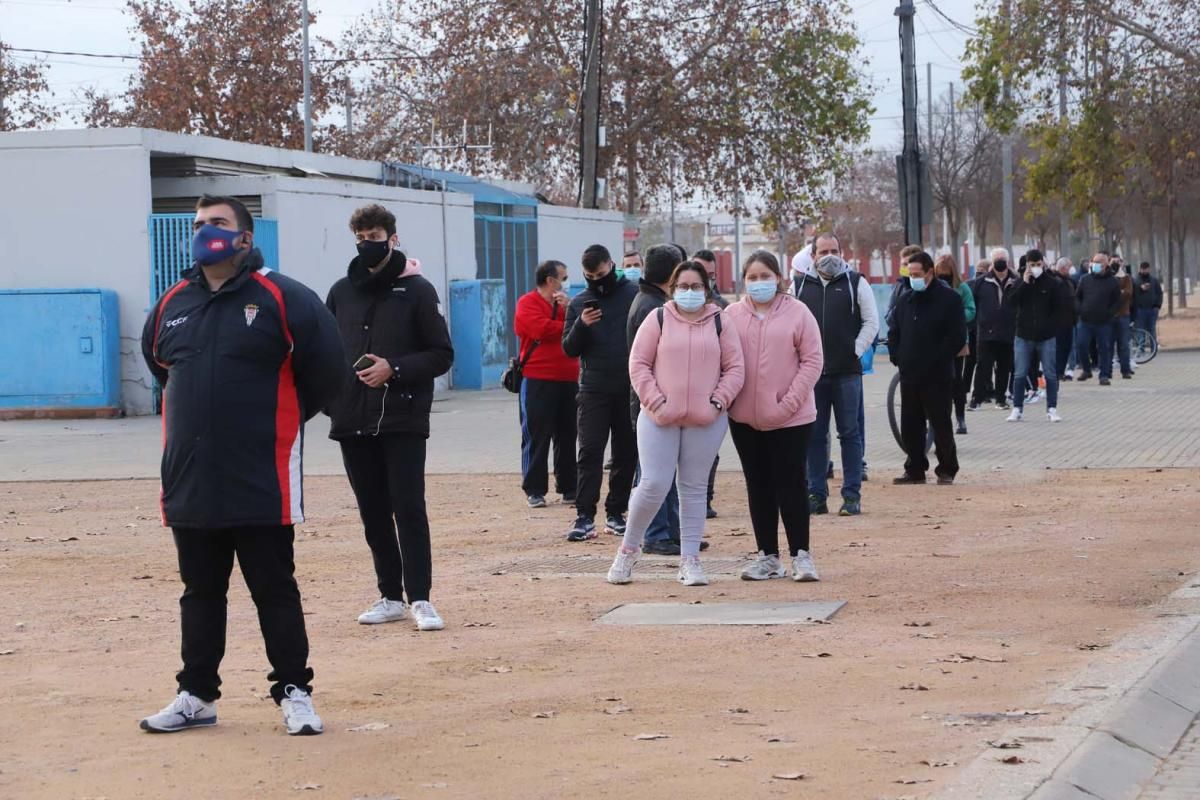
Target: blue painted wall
[
  {"x": 59, "y": 348},
  {"x": 479, "y": 331}
]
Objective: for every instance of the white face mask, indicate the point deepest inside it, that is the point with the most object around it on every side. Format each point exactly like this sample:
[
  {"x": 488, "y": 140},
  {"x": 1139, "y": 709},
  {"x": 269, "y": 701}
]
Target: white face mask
[{"x": 1037, "y": 272}]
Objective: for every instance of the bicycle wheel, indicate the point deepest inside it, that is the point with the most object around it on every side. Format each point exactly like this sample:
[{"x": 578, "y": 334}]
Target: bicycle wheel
[
  {"x": 893, "y": 409},
  {"x": 1142, "y": 345}
]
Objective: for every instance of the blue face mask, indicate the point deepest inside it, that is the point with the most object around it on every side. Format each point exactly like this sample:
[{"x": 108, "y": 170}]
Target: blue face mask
[
  {"x": 1097, "y": 269},
  {"x": 689, "y": 299},
  {"x": 212, "y": 245},
  {"x": 762, "y": 291},
  {"x": 918, "y": 284},
  {"x": 633, "y": 274}
]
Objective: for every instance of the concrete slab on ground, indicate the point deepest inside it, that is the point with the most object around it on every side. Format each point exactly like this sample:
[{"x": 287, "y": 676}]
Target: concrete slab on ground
[{"x": 806, "y": 613}]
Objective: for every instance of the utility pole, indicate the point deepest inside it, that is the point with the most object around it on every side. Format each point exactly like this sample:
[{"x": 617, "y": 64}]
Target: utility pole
[
  {"x": 929, "y": 140},
  {"x": 307, "y": 78},
  {"x": 1006, "y": 153},
  {"x": 908, "y": 163},
  {"x": 349, "y": 108},
  {"x": 1064, "y": 224},
  {"x": 672, "y": 182},
  {"x": 590, "y": 137},
  {"x": 737, "y": 246}
]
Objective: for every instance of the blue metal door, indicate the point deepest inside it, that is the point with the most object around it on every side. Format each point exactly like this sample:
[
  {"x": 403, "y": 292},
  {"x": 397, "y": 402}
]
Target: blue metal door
[{"x": 506, "y": 249}]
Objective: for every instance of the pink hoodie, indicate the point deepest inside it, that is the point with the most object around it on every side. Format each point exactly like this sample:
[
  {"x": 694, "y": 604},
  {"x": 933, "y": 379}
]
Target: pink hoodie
[
  {"x": 783, "y": 360},
  {"x": 679, "y": 368}
]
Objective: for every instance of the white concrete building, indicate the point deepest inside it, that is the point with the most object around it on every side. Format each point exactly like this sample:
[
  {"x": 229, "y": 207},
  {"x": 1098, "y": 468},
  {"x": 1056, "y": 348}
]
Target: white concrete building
[{"x": 78, "y": 206}]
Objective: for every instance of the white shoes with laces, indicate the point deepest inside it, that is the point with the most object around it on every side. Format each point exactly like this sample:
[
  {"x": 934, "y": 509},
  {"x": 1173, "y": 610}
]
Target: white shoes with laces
[
  {"x": 763, "y": 567},
  {"x": 1052, "y": 415},
  {"x": 184, "y": 712},
  {"x": 382, "y": 611},
  {"x": 299, "y": 716},
  {"x": 1016, "y": 416},
  {"x": 621, "y": 571},
  {"x": 691, "y": 573},
  {"x": 426, "y": 616},
  {"x": 803, "y": 568}
]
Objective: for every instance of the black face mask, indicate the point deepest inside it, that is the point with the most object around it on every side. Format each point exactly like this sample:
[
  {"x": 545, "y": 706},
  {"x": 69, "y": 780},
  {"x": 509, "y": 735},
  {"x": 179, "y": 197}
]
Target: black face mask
[
  {"x": 1000, "y": 266},
  {"x": 1145, "y": 275},
  {"x": 603, "y": 286},
  {"x": 373, "y": 252}
]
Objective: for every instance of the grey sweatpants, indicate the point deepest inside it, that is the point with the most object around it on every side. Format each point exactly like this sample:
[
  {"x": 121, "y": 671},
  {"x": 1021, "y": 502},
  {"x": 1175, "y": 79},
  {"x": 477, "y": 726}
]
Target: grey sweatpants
[{"x": 663, "y": 452}]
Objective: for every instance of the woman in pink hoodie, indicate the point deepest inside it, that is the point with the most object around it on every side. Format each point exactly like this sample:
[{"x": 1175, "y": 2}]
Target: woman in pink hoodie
[
  {"x": 771, "y": 419},
  {"x": 686, "y": 367}
]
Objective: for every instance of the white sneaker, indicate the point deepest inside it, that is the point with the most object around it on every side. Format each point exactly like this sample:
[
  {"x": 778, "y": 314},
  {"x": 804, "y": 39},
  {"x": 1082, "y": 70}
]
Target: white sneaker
[
  {"x": 1015, "y": 416},
  {"x": 1052, "y": 415},
  {"x": 426, "y": 616},
  {"x": 185, "y": 711},
  {"x": 1033, "y": 397},
  {"x": 621, "y": 571},
  {"x": 763, "y": 568},
  {"x": 691, "y": 573},
  {"x": 298, "y": 713},
  {"x": 384, "y": 610},
  {"x": 803, "y": 568}
]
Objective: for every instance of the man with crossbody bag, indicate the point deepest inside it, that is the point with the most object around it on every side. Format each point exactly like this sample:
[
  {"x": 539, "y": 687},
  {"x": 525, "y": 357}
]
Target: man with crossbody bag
[{"x": 546, "y": 381}]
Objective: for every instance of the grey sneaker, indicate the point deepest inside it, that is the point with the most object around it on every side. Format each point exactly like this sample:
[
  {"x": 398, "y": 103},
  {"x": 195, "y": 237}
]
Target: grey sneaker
[
  {"x": 621, "y": 571},
  {"x": 426, "y": 616},
  {"x": 185, "y": 711},
  {"x": 536, "y": 501},
  {"x": 383, "y": 610},
  {"x": 763, "y": 568},
  {"x": 691, "y": 573},
  {"x": 803, "y": 568},
  {"x": 298, "y": 713}
]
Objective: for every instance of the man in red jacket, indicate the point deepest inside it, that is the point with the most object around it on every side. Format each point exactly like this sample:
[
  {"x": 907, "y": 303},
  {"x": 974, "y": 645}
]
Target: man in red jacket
[{"x": 547, "y": 398}]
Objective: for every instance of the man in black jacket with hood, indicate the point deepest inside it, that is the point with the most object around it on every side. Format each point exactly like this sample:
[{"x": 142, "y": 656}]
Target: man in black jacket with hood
[
  {"x": 396, "y": 344},
  {"x": 594, "y": 332},
  {"x": 1043, "y": 304},
  {"x": 996, "y": 323},
  {"x": 928, "y": 330},
  {"x": 1099, "y": 296},
  {"x": 244, "y": 356}
]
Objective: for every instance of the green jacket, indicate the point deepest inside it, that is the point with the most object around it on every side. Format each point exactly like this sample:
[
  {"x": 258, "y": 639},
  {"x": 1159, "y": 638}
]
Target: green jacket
[{"x": 968, "y": 298}]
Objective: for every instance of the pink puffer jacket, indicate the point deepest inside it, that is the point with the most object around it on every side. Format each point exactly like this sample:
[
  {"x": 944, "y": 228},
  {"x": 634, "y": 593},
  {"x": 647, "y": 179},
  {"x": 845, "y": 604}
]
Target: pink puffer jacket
[
  {"x": 678, "y": 369},
  {"x": 783, "y": 360}
]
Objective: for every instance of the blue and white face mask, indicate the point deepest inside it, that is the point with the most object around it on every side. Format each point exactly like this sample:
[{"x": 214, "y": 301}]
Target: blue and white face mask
[
  {"x": 1097, "y": 268},
  {"x": 689, "y": 299},
  {"x": 633, "y": 274},
  {"x": 918, "y": 284},
  {"x": 762, "y": 291}
]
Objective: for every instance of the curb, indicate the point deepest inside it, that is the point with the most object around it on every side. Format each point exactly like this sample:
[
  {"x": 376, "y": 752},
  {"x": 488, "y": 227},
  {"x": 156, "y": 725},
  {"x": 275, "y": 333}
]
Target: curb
[{"x": 1141, "y": 702}]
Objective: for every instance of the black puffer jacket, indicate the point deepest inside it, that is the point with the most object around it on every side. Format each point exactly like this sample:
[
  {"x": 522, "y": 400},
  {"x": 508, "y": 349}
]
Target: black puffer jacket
[
  {"x": 393, "y": 315},
  {"x": 602, "y": 349},
  {"x": 995, "y": 319},
  {"x": 928, "y": 330},
  {"x": 1099, "y": 297},
  {"x": 1041, "y": 306}
]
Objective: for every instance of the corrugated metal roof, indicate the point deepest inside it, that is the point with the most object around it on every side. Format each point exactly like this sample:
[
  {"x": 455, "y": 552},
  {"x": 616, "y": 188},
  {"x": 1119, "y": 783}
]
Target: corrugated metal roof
[{"x": 482, "y": 191}]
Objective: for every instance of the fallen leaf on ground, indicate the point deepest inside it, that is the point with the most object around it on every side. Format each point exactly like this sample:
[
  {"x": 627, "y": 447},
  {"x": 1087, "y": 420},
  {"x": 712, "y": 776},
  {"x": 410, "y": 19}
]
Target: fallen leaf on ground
[
  {"x": 916, "y": 687},
  {"x": 57, "y": 509},
  {"x": 962, "y": 658},
  {"x": 737, "y": 711},
  {"x": 928, "y": 635},
  {"x": 1091, "y": 645},
  {"x": 613, "y": 699},
  {"x": 816, "y": 655},
  {"x": 788, "y": 776},
  {"x": 7, "y": 652},
  {"x": 918, "y": 624},
  {"x": 370, "y": 726},
  {"x": 731, "y": 759},
  {"x": 1005, "y": 744},
  {"x": 69, "y": 539},
  {"x": 929, "y": 762},
  {"x": 35, "y": 538},
  {"x": 649, "y": 737},
  {"x": 1012, "y": 760},
  {"x": 912, "y": 781},
  {"x": 479, "y": 624},
  {"x": 307, "y": 786},
  {"x": 544, "y": 714},
  {"x": 498, "y": 670},
  {"x": 618, "y": 710}
]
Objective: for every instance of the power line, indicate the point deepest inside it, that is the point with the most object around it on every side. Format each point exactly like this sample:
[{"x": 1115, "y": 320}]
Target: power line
[{"x": 967, "y": 29}]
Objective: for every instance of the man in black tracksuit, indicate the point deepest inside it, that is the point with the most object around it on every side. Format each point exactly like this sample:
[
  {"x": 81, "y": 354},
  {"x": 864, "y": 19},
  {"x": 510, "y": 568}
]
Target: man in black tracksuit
[
  {"x": 594, "y": 332},
  {"x": 928, "y": 330},
  {"x": 996, "y": 322},
  {"x": 244, "y": 356},
  {"x": 390, "y": 324}
]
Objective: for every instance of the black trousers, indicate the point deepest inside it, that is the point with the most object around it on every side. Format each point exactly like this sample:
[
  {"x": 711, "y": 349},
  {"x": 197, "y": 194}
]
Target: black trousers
[
  {"x": 712, "y": 480},
  {"x": 776, "y": 484},
  {"x": 265, "y": 557},
  {"x": 927, "y": 403},
  {"x": 970, "y": 362},
  {"x": 387, "y": 474},
  {"x": 602, "y": 414},
  {"x": 994, "y": 371},
  {"x": 547, "y": 410},
  {"x": 961, "y": 382}
]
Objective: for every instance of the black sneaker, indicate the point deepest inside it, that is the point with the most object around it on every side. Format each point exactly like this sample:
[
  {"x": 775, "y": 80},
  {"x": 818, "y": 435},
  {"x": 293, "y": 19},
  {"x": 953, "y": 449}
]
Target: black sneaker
[
  {"x": 1126, "y": 375},
  {"x": 710, "y": 512},
  {"x": 973, "y": 405},
  {"x": 615, "y": 524},
  {"x": 568, "y": 499},
  {"x": 1105, "y": 382},
  {"x": 585, "y": 528},
  {"x": 1067, "y": 377},
  {"x": 961, "y": 430},
  {"x": 850, "y": 508},
  {"x": 865, "y": 477},
  {"x": 817, "y": 504},
  {"x": 666, "y": 547},
  {"x": 1087, "y": 376},
  {"x": 945, "y": 480},
  {"x": 1002, "y": 406},
  {"x": 536, "y": 501},
  {"x": 906, "y": 479}
]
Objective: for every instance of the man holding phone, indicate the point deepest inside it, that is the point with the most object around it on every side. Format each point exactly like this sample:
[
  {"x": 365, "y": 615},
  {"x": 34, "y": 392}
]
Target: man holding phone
[
  {"x": 594, "y": 332},
  {"x": 397, "y": 343}
]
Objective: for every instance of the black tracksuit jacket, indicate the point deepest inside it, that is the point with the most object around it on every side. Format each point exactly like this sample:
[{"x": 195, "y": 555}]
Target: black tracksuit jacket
[
  {"x": 242, "y": 369},
  {"x": 928, "y": 330},
  {"x": 395, "y": 317},
  {"x": 602, "y": 349},
  {"x": 1043, "y": 306}
]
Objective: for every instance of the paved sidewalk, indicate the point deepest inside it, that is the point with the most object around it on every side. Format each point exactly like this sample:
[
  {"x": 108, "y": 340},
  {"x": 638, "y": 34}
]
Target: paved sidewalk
[
  {"x": 1179, "y": 778},
  {"x": 1149, "y": 421}
]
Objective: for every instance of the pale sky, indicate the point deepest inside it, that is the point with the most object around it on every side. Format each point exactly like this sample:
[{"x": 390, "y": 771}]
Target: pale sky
[{"x": 102, "y": 26}]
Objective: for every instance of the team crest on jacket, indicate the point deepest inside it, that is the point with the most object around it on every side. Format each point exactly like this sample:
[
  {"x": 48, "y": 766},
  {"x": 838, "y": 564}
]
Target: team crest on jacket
[{"x": 251, "y": 312}]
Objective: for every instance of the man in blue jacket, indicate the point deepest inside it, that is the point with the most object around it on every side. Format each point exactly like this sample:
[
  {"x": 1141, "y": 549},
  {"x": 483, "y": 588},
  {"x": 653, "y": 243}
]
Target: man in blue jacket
[{"x": 245, "y": 356}]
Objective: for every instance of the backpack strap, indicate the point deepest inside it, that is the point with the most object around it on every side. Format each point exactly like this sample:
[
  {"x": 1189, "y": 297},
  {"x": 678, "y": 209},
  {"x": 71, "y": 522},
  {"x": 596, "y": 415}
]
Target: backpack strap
[{"x": 716, "y": 321}]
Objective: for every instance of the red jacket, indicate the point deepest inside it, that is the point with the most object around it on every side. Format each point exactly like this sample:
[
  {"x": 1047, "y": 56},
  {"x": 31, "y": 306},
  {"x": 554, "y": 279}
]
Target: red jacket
[{"x": 537, "y": 320}]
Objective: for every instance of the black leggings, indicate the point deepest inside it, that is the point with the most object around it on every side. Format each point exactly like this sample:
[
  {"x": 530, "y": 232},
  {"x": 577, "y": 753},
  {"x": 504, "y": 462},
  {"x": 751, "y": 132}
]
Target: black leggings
[{"x": 776, "y": 484}]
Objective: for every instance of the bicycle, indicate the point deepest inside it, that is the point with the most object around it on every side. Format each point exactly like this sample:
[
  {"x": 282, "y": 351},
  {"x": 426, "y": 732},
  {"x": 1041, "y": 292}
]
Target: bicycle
[
  {"x": 893, "y": 406},
  {"x": 1142, "y": 345}
]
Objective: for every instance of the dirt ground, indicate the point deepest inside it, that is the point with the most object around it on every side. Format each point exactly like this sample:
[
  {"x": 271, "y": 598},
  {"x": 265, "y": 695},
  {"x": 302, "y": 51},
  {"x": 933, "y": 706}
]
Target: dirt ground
[
  {"x": 525, "y": 696},
  {"x": 1181, "y": 331}
]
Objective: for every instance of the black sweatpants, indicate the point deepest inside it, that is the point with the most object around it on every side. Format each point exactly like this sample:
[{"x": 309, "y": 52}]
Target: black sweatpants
[
  {"x": 994, "y": 371},
  {"x": 924, "y": 402},
  {"x": 547, "y": 410},
  {"x": 602, "y": 414},
  {"x": 776, "y": 484},
  {"x": 387, "y": 474},
  {"x": 265, "y": 557},
  {"x": 961, "y": 382}
]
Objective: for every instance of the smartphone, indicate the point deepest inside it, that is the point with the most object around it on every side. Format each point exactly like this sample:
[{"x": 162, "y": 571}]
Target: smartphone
[
  {"x": 591, "y": 305},
  {"x": 363, "y": 362}
]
